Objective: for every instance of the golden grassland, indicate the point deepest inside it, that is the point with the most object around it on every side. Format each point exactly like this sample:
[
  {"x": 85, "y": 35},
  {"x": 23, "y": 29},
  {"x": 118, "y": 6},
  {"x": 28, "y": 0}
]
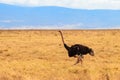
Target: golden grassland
[{"x": 40, "y": 55}]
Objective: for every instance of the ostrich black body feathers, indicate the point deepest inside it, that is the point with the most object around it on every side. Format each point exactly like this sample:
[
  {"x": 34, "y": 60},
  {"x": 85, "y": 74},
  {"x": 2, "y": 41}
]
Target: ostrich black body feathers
[{"x": 77, "y": 50}]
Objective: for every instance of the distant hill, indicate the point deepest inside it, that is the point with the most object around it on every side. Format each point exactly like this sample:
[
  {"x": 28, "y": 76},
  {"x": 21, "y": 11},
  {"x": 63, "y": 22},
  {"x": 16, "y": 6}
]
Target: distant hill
[{"x": 11, "y": 15}]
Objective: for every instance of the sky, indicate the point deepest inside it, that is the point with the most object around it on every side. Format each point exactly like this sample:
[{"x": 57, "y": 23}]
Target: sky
[
  {"x": 79, "y": 4},
  {"x": 104, "y": 19}
]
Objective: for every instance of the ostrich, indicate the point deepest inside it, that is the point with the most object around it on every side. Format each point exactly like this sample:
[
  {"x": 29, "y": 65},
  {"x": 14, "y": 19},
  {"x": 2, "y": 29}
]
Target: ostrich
[{"x": 77, "y": 50}]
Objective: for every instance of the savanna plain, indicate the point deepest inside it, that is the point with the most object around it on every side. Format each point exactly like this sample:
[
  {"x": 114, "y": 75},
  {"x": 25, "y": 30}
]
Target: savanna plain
[{"x": 40, "y": 55}]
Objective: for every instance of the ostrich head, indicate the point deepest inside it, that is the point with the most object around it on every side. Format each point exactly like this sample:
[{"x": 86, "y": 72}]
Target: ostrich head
[{"x": 91, "y": 52}]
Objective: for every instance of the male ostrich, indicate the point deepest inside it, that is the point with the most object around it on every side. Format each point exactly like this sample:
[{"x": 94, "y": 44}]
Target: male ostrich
[{"x": 77, "y": 50}]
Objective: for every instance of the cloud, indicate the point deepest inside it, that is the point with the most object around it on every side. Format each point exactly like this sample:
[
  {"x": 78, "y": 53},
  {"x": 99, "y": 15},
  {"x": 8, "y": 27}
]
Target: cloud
[
  {"x": 5, "y": 21},
  {"x": 68, "y": 26},
  {"x": 54, "y": 27},
  {"x": 10, "y": 21},
  {"x": 80, "y": 4}
]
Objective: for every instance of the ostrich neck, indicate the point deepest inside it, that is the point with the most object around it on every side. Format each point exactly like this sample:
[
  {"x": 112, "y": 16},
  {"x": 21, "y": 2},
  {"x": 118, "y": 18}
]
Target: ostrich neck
[
  {"x": 65, "y": 45},
  {"x": 62, "y": 37}
]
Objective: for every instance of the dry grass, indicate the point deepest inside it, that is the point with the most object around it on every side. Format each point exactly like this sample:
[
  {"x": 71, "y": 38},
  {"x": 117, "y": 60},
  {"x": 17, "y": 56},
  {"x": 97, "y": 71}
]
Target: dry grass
[{"x": 40, "y": 55}]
